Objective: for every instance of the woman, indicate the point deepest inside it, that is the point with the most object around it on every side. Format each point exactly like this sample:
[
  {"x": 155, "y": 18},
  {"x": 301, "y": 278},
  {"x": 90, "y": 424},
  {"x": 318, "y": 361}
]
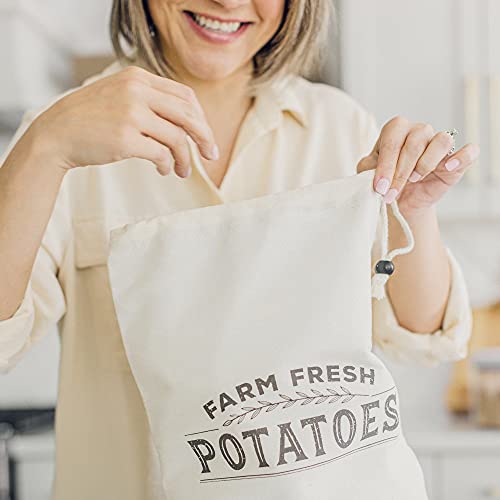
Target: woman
[{"x": 212, "y": 86}]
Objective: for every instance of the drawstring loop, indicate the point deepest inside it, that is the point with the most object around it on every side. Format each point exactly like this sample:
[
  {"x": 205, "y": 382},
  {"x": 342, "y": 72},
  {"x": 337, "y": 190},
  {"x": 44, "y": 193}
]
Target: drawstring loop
[{"x": 385, "y": 266}]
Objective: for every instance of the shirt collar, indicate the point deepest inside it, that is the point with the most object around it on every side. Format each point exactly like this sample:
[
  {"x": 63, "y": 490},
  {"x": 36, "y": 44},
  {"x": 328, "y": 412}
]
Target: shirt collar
[{"x": 277, "y": 98}]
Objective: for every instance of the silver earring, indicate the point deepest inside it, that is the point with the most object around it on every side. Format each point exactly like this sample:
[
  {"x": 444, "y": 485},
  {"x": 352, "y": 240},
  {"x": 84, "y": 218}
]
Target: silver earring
[{"x": 152, "y": 30}]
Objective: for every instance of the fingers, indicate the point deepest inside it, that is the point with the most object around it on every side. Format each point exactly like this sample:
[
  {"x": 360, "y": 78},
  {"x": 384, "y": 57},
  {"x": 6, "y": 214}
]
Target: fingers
[
  {"x": 168, "y": 86},
  {"x": 153, "y": 151},
  {"x": 172, "y": 137},
  {"x": 177, "y": 103},
  {"x": 415, "y": 147},
  {"x": 436, "y": 150},
  {"x": 462, "y": 159},
  {"x": 408, "y": 152},
  {"x": 367, "y": 163},
  {"x": 441, "y": 178},
  {"x": 160, "y": 83},
  {"x": 391, "y": 141},
  {"x": 186, "y": 116}
]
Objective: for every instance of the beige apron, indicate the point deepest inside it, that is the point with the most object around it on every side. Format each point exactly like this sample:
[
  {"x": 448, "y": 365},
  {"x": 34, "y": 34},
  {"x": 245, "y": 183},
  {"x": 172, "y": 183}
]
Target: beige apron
[{"x": 248, "y": 328}]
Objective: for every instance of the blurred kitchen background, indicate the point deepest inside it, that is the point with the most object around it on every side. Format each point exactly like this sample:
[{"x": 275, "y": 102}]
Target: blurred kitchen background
[{"x": 432, "y": 61}]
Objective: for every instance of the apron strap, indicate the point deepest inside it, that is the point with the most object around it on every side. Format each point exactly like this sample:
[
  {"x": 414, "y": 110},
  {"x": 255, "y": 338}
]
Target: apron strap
[{"x": 385, "y": 267}]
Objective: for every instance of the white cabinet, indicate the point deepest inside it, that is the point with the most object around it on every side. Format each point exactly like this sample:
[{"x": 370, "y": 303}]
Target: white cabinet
[
  {"x": 459, "y": 462},
  {"x": 34, "y": 458},
  {"x": 34, "y": 480},
  {"x": 471, "y": 477}
]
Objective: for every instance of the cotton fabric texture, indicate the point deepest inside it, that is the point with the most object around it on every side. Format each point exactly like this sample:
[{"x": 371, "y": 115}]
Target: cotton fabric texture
[
  {"x": 261, "y": 381},
  {"x": 302, "y": 133}
]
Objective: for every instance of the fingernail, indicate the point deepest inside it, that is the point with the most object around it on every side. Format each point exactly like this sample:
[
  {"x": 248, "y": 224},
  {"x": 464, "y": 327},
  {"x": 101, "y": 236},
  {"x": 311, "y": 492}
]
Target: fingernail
[
  {"x": 452, "y": 164},
  {"x": 391, "y": 195},
  {"x": 186, "y": 173},
  {"x": 382, "y": 185},
  {"x": 215, "y": 152},
  {"x": 414, "y": 177}
]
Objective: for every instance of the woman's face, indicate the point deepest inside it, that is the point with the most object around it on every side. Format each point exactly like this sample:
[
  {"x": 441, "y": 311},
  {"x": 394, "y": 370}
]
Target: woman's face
[{"x": 196, "y": 43}]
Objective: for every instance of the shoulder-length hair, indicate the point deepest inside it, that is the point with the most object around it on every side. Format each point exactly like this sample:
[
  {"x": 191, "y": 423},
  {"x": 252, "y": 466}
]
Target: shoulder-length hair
[{"x": 296, "y": 47}]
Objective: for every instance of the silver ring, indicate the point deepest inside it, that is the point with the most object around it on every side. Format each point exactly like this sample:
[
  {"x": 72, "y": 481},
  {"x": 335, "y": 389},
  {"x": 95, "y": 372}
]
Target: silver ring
[{"x": 453, "y": 133}]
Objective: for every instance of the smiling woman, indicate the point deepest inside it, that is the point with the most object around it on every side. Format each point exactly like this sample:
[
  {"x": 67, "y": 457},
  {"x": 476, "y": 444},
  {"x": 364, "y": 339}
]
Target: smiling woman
[
  {"x": 277, "y": 37},
  {"x": 214, "y": 91}
]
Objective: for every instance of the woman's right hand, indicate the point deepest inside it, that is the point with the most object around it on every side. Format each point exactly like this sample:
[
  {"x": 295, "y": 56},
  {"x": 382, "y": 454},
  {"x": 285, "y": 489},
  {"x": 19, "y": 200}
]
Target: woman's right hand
[{"x": 132, "y": 113}]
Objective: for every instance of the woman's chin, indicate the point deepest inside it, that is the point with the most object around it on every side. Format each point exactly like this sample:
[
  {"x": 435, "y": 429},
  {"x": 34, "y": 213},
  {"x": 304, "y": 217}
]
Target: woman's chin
[
  {"x": 210, "y": 66},
  {"x": 213, "y": 72}
]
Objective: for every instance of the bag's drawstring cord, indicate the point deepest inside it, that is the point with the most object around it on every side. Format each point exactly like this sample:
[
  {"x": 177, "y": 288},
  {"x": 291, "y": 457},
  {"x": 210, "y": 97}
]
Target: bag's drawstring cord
[{"x": 385, "y": 267}]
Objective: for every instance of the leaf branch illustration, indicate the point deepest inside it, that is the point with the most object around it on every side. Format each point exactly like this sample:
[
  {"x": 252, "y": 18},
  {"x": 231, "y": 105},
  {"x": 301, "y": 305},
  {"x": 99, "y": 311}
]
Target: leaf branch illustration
[{"x": 317, "y": 397}]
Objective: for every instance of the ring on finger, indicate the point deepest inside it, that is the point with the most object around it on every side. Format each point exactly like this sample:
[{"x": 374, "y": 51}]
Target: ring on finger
[{"x": 453, "y": 133}]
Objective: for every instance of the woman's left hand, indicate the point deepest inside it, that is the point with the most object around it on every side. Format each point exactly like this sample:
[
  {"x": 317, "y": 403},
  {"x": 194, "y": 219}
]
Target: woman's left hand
[{"x": 413, "y": 166}]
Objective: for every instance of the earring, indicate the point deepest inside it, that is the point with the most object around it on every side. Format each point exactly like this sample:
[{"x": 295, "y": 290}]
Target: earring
[{"x": 152, "y": 30}]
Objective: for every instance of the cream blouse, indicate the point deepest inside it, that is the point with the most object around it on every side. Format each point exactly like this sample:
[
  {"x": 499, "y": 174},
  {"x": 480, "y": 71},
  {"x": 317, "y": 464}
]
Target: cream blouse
[{"x": 295, "y": 134}]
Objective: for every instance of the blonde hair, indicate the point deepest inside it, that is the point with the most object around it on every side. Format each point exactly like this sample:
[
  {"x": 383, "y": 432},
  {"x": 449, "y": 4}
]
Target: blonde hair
[{"x": 296, "y": 47}]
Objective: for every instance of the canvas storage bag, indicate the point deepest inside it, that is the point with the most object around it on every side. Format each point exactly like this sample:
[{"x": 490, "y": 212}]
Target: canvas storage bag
[{"x": 248, "y": 329}]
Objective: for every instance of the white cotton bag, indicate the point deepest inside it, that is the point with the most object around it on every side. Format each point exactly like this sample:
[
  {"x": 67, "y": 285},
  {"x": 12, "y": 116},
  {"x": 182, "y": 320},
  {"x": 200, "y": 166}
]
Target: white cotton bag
[{"x": 248, "y": 329}]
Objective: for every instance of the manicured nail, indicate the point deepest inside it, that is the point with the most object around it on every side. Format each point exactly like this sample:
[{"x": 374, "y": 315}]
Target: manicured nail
[
  {"x": 391, "y": 195},
  {"x": 452, "y": 164},
  {"x": 414, "y": 177},
  {"x": 187, "y": 172},
  {"x": 215, "y": 152},
  {"x": 382, "y": 185}
]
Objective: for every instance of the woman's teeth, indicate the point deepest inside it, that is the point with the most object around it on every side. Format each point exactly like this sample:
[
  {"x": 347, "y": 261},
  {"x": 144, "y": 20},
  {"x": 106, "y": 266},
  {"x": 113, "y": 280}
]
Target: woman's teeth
[{"x": 216, "y": 25}]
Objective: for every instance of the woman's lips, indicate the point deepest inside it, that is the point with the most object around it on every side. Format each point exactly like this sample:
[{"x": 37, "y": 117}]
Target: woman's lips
[
  {"x": 212, "y": 36},
  {"x": 215, "y": 18}
]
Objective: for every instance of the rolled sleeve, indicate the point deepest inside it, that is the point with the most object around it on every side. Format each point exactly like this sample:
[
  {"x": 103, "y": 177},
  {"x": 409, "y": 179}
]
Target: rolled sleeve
[
  {"x": 42, "y": 307},
  {"x": 449, "y": 343},
  {"x": 43, "y": 303},
  {"x": 15, "y": 332}
]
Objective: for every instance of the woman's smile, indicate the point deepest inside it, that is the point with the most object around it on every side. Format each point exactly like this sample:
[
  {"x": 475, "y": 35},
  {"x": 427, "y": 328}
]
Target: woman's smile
[
  {"x": 216, "y": 30},
  {"x": 212, "y": 40}
]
